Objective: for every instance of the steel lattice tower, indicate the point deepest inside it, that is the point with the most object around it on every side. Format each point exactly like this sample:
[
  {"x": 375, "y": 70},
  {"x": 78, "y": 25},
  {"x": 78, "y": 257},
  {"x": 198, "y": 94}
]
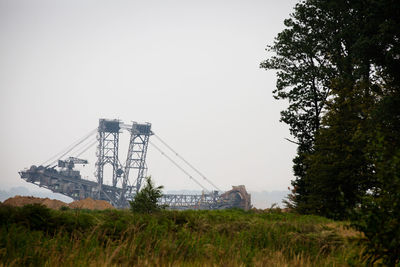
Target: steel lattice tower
[
  {"x": 107, "y": 153},
  {"x": 136, "y": 158}
]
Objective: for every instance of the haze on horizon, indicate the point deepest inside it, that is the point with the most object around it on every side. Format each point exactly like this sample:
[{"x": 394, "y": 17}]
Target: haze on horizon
[{"x": 191, "y": 68}]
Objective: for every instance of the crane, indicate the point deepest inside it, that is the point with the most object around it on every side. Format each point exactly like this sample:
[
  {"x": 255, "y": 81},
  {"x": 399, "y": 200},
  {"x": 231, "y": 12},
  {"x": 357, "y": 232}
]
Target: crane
[{"x": 70, "y": 162}]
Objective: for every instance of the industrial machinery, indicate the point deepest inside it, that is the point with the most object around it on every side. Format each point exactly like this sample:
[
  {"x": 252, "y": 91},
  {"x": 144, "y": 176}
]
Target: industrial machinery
[
  {"x": 126, "y": 179},
  {"x": 70, "y": 162}
]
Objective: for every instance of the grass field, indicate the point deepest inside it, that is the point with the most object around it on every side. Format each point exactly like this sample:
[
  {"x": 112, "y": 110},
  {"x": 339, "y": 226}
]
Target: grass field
[{"x": 37, "y": 236}]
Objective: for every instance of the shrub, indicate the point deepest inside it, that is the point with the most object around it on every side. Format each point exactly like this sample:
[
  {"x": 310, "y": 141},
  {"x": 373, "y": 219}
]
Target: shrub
[{"x": 146, "y": 201}]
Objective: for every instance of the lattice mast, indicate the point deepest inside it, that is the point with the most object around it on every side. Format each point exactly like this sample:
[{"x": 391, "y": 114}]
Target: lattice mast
[
  {"x": 136, "y": 158},
  {"x": 107, "y": 152}
]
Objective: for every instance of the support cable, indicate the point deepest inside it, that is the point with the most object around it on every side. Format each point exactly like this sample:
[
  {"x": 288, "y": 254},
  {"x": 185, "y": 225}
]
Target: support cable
[
  {"x": 190, "y": 165},
  {"x": 179, "y": 167},
  {"x": 87, "y": 148},
  {"x": 69, "y": 148}
]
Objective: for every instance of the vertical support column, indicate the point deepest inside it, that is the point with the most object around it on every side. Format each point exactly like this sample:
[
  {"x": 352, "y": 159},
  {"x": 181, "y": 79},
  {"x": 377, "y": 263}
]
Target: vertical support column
[
  {"x": 107, "y": 151},
  {"x": 136, "y": 158}
]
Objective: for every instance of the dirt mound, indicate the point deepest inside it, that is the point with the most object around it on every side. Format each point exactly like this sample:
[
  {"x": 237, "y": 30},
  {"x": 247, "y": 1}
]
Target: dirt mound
[
  {"x": 54, "y": 203},
  {"x": 89, "y": 203},
  {"x": 19, "y": 201}
]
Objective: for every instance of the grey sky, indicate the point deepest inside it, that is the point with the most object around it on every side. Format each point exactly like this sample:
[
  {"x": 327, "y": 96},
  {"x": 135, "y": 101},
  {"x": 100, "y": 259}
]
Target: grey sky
[{"x": 191, "y": 68}]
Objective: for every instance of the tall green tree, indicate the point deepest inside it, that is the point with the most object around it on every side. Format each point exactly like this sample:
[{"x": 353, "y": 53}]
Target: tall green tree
[
  {"x": 315, "y": 59},
  {"x": 331, "y": 60},
  {"x": 348, "y": 151},
  {"x": 304, "y": 74},
  {"x": 378, "y": 216},
  {"x": 342, "y": 169}
]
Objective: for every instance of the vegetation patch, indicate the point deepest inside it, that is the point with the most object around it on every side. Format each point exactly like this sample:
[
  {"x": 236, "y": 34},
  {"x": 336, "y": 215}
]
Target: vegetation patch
[{"x": 36, "y": 235}]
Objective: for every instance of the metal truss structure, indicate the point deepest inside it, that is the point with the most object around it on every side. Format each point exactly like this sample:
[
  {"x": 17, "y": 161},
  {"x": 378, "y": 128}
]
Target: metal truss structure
[
  {"x": 68, "y": 183},
  {"x": 107, "y": 153},
  {"x": 203, "y": 201},
  {"x": 121, "y": 189},
  {"x": 136, "y": 159}
]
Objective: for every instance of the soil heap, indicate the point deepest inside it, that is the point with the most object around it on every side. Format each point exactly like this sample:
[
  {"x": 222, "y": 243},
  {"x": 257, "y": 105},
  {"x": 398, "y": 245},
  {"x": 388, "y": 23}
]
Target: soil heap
[
  {"x": 19, "y": 201},
  {"x": 87, "y": 203},
  {"x": 91, "y": 204}
]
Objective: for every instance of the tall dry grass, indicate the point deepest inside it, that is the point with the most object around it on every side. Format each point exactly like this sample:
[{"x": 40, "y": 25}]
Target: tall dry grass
[{"x": 172, "y": 238}]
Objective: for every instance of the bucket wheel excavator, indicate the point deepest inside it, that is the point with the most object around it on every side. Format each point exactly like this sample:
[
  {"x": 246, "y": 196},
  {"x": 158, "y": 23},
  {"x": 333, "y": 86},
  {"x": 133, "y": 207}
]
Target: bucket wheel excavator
[{"x": 60, "y": 176}]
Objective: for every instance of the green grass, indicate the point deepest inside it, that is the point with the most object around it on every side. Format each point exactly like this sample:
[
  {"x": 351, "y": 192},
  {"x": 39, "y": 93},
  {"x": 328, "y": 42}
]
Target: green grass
[{"x": 37, "y": 236}]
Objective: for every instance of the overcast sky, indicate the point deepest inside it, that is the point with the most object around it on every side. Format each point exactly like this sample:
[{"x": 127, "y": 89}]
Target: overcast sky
[{"x": 191, "y": 68}]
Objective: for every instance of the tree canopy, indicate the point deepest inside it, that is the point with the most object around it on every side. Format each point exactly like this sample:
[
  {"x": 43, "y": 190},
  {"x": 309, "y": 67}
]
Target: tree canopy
[{"x": 337, "y": 65}]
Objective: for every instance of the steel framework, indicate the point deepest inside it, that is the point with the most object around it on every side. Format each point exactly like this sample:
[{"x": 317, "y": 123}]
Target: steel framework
[
  {"x": 181, "y": 201},
  {"x": 107, "y": 153},
  {"x": 67, "y": 181},
  {"x": 122, "y": 189},
  {"x": 136, "y": 159}
]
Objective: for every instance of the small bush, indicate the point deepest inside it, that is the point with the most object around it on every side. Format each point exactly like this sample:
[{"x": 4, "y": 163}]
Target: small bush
[{"x": 146, "y": 201}]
